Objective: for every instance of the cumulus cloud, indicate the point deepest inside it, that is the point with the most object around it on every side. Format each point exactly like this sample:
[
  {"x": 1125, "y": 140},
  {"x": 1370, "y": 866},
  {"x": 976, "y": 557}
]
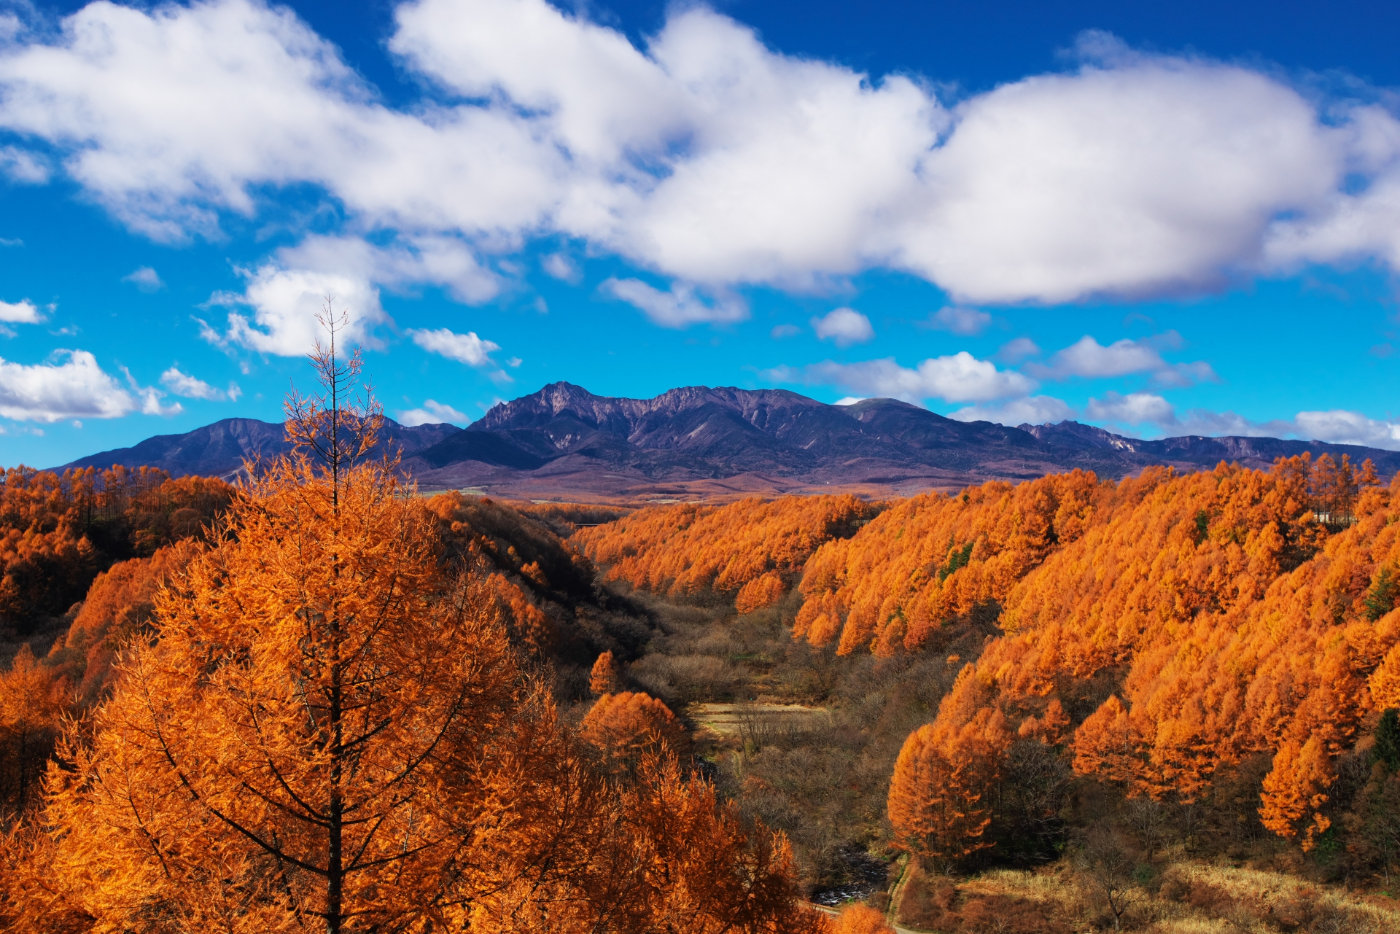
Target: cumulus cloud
[
  {"x": 966, "y": 322},
  {"x": 465, "y": 348},
  {"x": 1086, "y": 358},
  {"x": 70, "y": 386},
  {"x": 1032, "y": 410},
  {"x": 287, "y": 305},
  {"x": 843, "y": 327},
  {"x": 1152, "y": 175},
  {"x": 680, "y": 307},
  {"x": 21, "y": 312},
  {"x": 703, "y": 155},
  {"x": 410, "y": 259},
  {"x": 287, "y": 293},
  {"x": 959, "y": 377},
  {"x": 1343, "y": 427},
  {"x": 432, "y": 413},
  {"x": 146, "y": 279},
  {"x": 1135, "y": 408},
  {"x": 192, "y": 387}
]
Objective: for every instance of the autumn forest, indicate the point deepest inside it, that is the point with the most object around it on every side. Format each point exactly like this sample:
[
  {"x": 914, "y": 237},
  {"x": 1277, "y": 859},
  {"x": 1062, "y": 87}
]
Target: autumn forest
[{"x": 319, "y": 699}]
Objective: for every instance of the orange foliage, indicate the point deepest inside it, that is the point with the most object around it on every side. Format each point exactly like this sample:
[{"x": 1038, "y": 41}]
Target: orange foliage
[
  {"x": 1237, "y": 612},
  {"x": 57, "y": 531},
  {"x": 33, "y": 700},
  {"x": 1294, "y": 791},
  {"x": 328, "y": 731},
  {"x": 118, "y": 606},
  {"x": 891, "y": 587},
  {"x": 604, "y": 677},
  {"x": 939, "y": 801},
  {"x": 860, "y": 919},
  {"x": 686, "y": 549},
  {"x": 632, "y": 722},
  {"x": 763, "y": 591}
]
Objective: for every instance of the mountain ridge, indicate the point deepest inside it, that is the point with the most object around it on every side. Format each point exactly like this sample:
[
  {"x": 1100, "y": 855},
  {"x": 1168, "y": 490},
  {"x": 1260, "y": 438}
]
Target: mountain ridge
[{"x": 699, "y": 441}]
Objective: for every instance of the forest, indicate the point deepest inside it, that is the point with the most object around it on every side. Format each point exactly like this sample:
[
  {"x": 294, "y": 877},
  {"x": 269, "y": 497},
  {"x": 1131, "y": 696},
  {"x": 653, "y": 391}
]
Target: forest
[{"x": 319, "y": 700}]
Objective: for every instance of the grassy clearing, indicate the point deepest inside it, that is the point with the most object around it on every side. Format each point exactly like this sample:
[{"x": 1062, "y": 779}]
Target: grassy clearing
[
  {"x": 1187, "y": 897},
  {"x": 740, "y": 720}
]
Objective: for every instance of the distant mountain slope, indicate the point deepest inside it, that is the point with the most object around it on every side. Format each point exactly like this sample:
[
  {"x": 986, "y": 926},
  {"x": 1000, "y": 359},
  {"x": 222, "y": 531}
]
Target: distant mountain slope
[
  {"x": 218, "y": 450},
  {"x": 563, "y": 441}
]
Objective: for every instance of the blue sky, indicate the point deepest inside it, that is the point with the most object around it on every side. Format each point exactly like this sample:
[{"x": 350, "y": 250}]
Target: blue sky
[{"x": 1160, "y": 218}]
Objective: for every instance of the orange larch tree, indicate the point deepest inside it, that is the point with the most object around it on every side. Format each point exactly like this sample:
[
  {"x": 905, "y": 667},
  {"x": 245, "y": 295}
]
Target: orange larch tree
[
  {"x": 630, "y": 723},
  {"x": 860, "y": 919},
  {"x": 604, "y": 678}
]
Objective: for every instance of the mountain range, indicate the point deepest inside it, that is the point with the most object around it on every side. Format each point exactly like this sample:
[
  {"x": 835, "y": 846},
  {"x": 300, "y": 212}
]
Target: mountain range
[{"x": 563, "y": 442}]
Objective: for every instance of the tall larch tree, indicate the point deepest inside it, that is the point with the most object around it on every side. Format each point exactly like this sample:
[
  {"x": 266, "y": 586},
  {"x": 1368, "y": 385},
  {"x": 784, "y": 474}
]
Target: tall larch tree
[{"x": 316, "y": 736}]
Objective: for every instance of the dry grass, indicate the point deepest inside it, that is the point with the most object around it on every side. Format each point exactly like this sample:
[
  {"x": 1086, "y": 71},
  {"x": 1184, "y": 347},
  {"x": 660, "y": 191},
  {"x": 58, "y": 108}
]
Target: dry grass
[
  {"x": 736, "y": 719},
  {"x": 1187, "y": 898}
]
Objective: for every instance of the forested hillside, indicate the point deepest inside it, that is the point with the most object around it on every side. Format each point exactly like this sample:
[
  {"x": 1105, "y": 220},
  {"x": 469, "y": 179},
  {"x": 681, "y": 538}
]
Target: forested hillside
[{"x": 1124, "y": 673}]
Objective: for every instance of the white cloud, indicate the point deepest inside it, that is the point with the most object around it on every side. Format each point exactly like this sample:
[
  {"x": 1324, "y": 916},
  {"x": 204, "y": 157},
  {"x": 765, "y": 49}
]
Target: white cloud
[
  {"x": 1032, "y": 410},
  {"x": 410, "y": 259},
  {"x": 1216, "y": 424},
  {"x": 966, "y": 322},
  {"x": 11, "y": 241},
  {"x": 71, "y": 386},
  {"x": 1135, "y": 408},
  {"x": 1018, "y": 349},
  {"x": 464, "y": 348},
  {"x": 287, "y": 305},
  {"x": 146, "y": 279},
  {"x": 10, "y": 26},
  {"x": 1336, "y": 426},
  {"x": 680, "y": 307},
  {"x": 1152, "y": 175},
  {"x": 701, "y": 154},
  {"x": 21, "y": 312},
  {"x": 561, "y": 267},
  {"x": 959, "y": 377},
  {"x": 191, "y": 387},
  {"x": 1086, "y": 358},
  {"x": 1342, "y": 427},
  {"x": 1177, "y": 375},
  {"x": 287, "y": 293},
  {"x": 21, "y": 166},
  {"x": 784, "y": 331},
  {"x": 843, "y": 327},
  {"x": 849, "y": 400},
  {"x": 432, "y": 413},
  {"x": 1353, "y": 224}
]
